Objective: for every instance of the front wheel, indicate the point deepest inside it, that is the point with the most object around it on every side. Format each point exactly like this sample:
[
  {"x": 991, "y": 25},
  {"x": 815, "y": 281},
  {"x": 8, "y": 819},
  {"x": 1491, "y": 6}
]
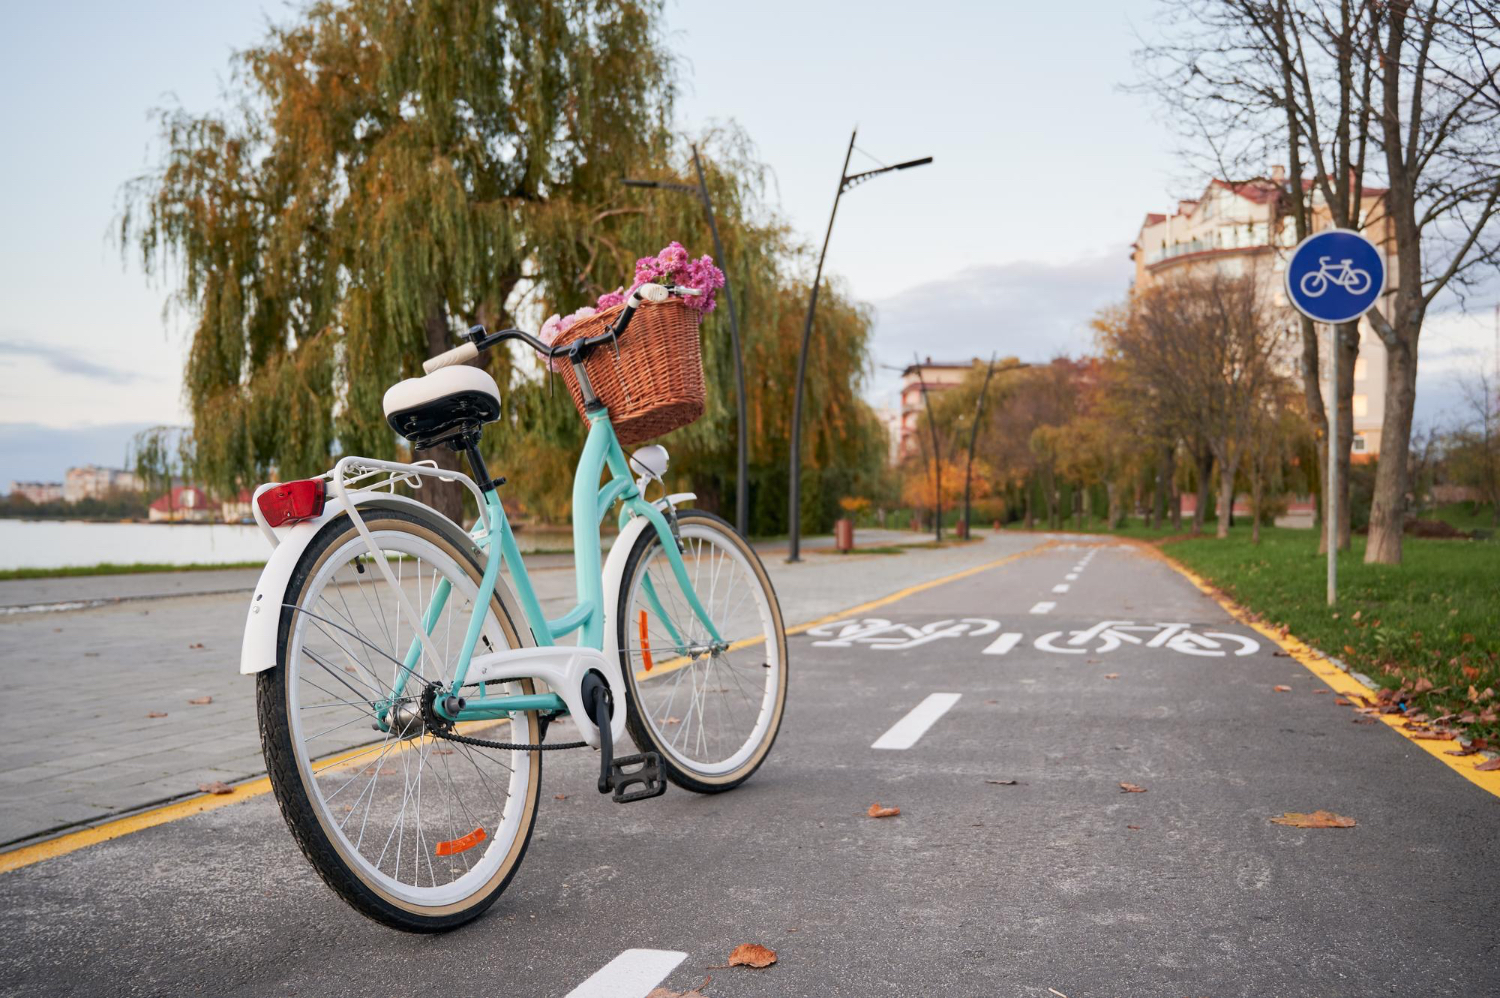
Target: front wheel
[
  {"x": 1314, "y": 284},
  {"x": 710, "y": 709}
]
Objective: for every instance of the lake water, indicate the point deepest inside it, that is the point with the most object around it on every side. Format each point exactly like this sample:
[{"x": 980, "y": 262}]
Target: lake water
[
  {"x": 56, "y": 543},
  {"x": 59, "y": 543}
]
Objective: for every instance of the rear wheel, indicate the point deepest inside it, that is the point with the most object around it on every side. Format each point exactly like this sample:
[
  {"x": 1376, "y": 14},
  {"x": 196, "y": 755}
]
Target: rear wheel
[
  {"x": 710, "y": 710},
  {"x": 415, "y": 831}
]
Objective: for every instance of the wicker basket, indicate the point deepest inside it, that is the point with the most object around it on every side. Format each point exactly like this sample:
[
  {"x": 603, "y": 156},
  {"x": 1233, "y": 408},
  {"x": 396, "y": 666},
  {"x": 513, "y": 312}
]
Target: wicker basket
[{"x": 655, "y": 385}]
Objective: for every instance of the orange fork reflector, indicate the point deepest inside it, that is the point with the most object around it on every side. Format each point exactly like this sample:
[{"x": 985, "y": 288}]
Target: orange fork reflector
[
  {"x": 454, "y": 846},
  {"x": 645, "y": 642}
]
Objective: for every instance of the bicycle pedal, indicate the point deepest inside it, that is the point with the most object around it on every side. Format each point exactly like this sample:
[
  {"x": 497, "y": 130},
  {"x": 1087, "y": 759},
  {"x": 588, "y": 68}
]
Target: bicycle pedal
[{"x": 648, "y": 775}]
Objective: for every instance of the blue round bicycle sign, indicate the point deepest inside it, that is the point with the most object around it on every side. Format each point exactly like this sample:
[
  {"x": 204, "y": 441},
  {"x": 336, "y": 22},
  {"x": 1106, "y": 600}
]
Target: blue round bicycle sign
[{"x": 1335, "y": 275}]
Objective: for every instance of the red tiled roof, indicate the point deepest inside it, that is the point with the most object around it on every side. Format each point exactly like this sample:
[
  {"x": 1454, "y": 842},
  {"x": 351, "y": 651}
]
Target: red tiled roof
[{"x": 183, "y": 497}]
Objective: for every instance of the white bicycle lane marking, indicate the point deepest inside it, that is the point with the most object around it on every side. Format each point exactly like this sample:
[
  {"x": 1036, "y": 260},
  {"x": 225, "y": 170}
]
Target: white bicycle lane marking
[
  {"x": 635, "y": 973},
  {"x": 1113, "y": 634},
  {"x": 906, "y": 732},
  {"x": 1106, "y": 636}
]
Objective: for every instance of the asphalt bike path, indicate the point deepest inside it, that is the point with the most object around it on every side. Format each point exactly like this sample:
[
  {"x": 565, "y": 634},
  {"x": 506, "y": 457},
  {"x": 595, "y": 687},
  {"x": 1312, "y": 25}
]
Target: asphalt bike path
[{"x": 1037, "y": 887}]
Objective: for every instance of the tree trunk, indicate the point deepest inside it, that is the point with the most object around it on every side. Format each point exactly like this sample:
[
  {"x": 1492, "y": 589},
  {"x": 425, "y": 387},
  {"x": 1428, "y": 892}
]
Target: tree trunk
[
  {"x": 1030, "y": 513},
  {"x": 1174, "y": 497},
  {"x": 1388, "y": 510},
  {"x": 1204, "y": 467},
  {"x": 1226, "y": 497},
  {"x": 1112, "y": 492},
  {"x": 445, "y": 497},
  {"x": 1255, "y": 497}
]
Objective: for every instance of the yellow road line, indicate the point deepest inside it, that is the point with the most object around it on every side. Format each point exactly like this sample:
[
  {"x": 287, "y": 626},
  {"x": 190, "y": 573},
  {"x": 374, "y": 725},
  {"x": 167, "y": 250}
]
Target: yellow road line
[
  {"x": 1337, "y": 679},
  {"x": 186, "y": 808}
]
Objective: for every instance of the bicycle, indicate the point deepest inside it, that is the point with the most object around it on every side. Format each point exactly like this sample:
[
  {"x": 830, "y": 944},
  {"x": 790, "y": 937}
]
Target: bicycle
[
  {"x": 1345, "y": 275},
  {"x": 376, "y": 612}
]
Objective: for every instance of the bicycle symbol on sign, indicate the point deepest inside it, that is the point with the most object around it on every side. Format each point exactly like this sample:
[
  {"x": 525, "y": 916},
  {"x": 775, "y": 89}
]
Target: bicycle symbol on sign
[
  {"x": 1344, "y": 275},
  {"x": 1107, "y": 635},
  {"x": 886, "y": 635}
]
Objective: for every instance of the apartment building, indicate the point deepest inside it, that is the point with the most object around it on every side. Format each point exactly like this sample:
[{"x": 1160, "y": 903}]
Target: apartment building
[
  {"x": 938, "y": 376},
  {"x": 1244, "y": 228},
  {"x": 38, "y": 492},
  {"x": 94, "y": 482}
]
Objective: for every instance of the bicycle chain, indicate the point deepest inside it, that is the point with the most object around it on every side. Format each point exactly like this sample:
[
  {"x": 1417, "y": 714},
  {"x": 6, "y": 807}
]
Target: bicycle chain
[{"x": 441, "y": 727}]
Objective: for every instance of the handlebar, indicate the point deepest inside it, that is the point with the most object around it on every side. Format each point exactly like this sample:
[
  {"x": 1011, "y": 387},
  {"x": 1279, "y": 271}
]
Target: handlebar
[{"x": 480, "y": 340}]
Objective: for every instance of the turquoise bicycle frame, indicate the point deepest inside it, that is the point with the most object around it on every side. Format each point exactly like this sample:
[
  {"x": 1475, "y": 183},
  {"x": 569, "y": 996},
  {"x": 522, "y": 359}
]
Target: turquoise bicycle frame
[{"x": 493, "y": 534}]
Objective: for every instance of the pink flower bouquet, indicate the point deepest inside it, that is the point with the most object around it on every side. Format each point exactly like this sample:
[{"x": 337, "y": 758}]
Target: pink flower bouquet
[{"x": 672, "y": 266}]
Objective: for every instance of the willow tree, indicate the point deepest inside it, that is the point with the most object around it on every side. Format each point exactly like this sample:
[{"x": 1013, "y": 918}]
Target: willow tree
[{"x": 387, "y": 173}]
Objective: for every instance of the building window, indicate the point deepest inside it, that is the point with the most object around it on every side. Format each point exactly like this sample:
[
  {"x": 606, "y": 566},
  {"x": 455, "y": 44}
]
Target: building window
[
  {"x": 1359, "y": 369},
  {"x": 1358, "y": 446},
  {"x": 1361, "y": 405}
]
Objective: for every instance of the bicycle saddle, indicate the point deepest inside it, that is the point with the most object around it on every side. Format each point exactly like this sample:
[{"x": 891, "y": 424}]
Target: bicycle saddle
[{"x": 447, "y": 403}]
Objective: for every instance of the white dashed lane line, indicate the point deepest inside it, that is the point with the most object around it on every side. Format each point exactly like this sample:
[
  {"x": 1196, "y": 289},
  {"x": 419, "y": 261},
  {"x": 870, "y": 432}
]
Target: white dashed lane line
[
  {"x": 905, "y": 732},
  {"x": 1004, "y": 643},
  {"x": 1061, "y": 587},
  {"x": 635, "y": 973},
  {"x": 1043, "y": 607}
]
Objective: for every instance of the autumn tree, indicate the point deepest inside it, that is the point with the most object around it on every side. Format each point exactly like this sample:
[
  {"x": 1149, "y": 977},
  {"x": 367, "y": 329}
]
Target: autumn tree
[
  {"x": 385, "y": 174},
  {"x": 1204, "y": 349},
  {"x": 1405, "y": 90}
]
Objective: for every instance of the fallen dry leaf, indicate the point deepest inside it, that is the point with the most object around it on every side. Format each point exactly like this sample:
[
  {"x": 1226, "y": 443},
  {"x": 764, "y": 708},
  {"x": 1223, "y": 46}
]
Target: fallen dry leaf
[
  {"x": 1434, "y": 736},
  {"x": 1470, "y": 671},
  {"x": 1317, "y": 819},
  {"x": 992, "y": 701},
  {"x": 1131, "y": 788},
  {"x": 156, "y": 713},
  {"x": 752, "y": 955},
  {"x": 1489, "y": 767},
  {"x": 1469, "y": 749},
  {"x": 1281, "y": 689},
  {"x": 1341, "y": 702},
  {"x": 1134, "y": 828},
  {"x": 216, "y": 787},
  {"x": 1422, "y": 685},
  {"x": 1319, "y": 691},
  {"x": 559, "y": 796},
  {"x": 876, "y": 811},
  {"x": 200, "y": 701},
  {"x": 198, "y": 645},
  {"x": 1364, "y": 720},
  {"x": 673, "y": 720},
  {"x": 1004, "y": 783},
  {"x": 1111, "y": 675}
]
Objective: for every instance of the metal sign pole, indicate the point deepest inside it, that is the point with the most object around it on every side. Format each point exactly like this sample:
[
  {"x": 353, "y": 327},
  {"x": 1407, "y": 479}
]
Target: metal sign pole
[
  {"x": 1332, "y": 503},
  {"x": 1334, "y": 276}
]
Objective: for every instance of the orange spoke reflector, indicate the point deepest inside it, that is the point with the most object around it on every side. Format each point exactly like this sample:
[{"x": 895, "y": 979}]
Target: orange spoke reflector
[
  {"x": 645, "y": 642},
  {"x": 454, "y": 846}
]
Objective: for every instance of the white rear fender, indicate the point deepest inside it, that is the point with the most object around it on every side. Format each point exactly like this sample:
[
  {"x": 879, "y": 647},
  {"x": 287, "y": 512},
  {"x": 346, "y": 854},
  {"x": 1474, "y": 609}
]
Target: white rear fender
[{"x": 263, "y": 621}]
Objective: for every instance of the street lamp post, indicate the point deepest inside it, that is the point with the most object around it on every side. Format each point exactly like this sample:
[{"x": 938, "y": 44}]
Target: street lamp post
[
  {"x": 937, "y": 453},
  {"x": 846, "y": 181},
  {"x": 742, "y": 462},
  {"x": 973, "y": 438}
]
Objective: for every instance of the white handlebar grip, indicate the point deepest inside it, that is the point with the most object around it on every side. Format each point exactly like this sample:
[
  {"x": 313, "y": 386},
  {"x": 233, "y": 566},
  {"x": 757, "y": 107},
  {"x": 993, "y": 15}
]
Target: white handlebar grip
[
  {"x": 652, "y": 292},
  {"x": 458, "y": 355}
]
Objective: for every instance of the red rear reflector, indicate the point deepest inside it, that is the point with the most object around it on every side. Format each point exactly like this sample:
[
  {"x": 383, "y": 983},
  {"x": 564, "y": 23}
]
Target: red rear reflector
[
  {"x": 645, "y": 642},
  {"x": 293, "y": 501},
  {"x": 453, "y": 846}
]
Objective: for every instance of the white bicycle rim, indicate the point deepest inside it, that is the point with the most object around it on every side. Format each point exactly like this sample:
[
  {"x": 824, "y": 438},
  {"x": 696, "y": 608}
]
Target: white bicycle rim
[
  {"x": 421, "y": 791},
  {"x": 683, "y": 698}
]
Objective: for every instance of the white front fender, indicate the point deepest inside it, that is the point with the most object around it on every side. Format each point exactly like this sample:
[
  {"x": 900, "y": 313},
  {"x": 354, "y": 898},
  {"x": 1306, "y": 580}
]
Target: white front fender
[
  {"x": 263, "y": 621},
  {"x": 614, "y": 571}
]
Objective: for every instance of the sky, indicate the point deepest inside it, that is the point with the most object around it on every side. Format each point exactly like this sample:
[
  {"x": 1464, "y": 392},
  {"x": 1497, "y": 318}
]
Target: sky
[{"x": 1009, "y": 242}]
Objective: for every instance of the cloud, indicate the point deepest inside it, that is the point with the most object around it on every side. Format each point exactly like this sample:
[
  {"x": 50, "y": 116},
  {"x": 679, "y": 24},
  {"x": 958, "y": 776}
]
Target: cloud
[
  {"x": 1026, "y": 309},
  {"x": 68, "y": 362},
  {"x": 31, "y": 452}
]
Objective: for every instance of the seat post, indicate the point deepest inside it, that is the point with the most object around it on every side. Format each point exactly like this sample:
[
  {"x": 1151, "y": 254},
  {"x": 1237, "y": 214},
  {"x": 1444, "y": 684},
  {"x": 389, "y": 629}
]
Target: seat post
[{"x": 469, "y": 445}]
